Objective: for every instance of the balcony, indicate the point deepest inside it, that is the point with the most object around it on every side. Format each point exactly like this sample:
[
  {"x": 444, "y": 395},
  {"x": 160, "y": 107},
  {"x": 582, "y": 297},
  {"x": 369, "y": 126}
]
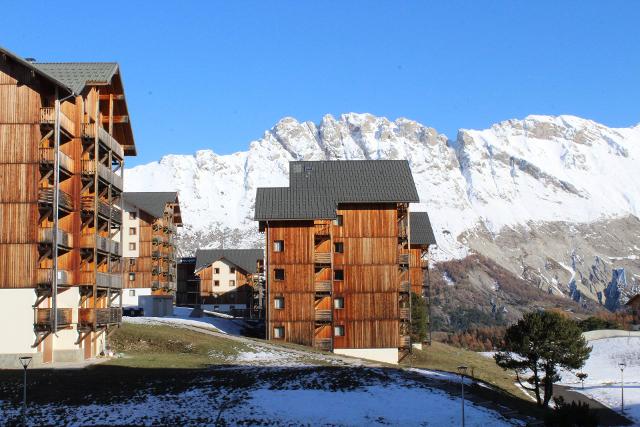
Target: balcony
[
  {"x": 403, "y": 230},
  {"x": 104, "y": 172},
  {"x": 103, "y": 244},
  {"x": 322, "y": 258},
  {"x": 404, "y": 313},
  {"x": 322, "y": 286},
  {"x": 405, "y": 286},
  {"x": 47, "y": 157},
  {"x": 424, "y": 264},
  {"x": 323, "y": 316},
  {"x": 89, "y": 131},
  {"x": 46, "y": 195},
  {"x": 64, "y": 239},
  {"x": 45, "y": 277},
  {"x": 87, "y": 205},
  {"x": 96, "y": 317},
  {"x": 48, "y": 117},
  {"x": 102, "y": 280},
  {"x": 405, "y": 341},
  {"x": 322, "y": 230},
  {"x": 324, "y": 344},
  {"x": 44, "y": 318},
  {"x": 403, "y": 259}
]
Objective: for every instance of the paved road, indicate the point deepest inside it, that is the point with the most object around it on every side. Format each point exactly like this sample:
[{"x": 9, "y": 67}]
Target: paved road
[{"x": 606, "y": 416}]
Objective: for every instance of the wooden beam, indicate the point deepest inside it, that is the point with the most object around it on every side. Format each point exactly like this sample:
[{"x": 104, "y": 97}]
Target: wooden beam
[
  {"x": 116, "y": 97},
  {"x": 116, "y": 119}
]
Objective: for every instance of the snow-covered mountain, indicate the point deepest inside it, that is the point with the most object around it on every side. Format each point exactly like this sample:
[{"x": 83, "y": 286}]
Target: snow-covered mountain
[{"x": 562, "y": 175}]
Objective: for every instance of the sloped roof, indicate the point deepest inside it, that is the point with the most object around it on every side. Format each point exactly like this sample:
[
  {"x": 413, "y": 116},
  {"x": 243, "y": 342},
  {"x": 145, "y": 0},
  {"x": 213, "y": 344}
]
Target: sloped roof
[
  {"x": 245, "y": 259},
  {"x": 76, "y": 75},
  {"x": 31, "y": 66},
  {"x": 152, "y": 202},
  {"x": 316, "y": 188},
  {"x": 421, "y": 231}
]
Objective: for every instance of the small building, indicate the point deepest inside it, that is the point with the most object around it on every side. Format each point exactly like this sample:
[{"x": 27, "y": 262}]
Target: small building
[
  {"x": 149, "y": 230},
  {"x": 633, "y": 305},
  {"x": 188, "y": 291},
  {"x": 228, "y": 278}
]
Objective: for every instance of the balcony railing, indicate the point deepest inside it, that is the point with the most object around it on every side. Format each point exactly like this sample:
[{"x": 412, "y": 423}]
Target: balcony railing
[
  {"x": 91, "y": 317},
  {"x": 47, "y": 157},
  {"x": 89, "y": 131},
  {"x": 103, "y": 280},
  {"x": 45, "y": 277},
  {"x": 323, "y": 316},
  {"x": 48, "y": 117},
  {"x": 87, "y": 204},
  {"x": 405, "y": 286},
  {"x": 322, "y": 229},
  {"x": 403, "y": 259},
  {"x": 424, "y": 264},
  {"x": 324, "y": 344},
  {"x": 405, "y": 341},
  {"x": 322, "y": 286},
  {"x": 404, "y": 313},
  {"x": 45, "y": 197},
  {"x": 44, "y": 317},
  {"x": 322, "y": 258},
  {"x": 45, "y": 235},
  {"x": 403, "y": 229},
  {"x": 103, "y": 244},
  {"x": 104, "y": 172}
]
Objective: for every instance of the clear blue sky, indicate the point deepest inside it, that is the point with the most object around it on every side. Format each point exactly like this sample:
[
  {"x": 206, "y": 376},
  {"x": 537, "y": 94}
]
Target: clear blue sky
[{"x": 218, "y": 74}]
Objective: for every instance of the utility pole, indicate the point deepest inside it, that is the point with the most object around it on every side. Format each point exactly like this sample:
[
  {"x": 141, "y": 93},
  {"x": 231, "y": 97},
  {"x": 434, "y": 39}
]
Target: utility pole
[{"x": 622, "y": 366}]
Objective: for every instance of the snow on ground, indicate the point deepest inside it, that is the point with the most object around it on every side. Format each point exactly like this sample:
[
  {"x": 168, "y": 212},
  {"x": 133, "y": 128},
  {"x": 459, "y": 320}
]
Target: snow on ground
[
  {"x": 604, "y": 381},
  {"x": 182, "y": 317}
]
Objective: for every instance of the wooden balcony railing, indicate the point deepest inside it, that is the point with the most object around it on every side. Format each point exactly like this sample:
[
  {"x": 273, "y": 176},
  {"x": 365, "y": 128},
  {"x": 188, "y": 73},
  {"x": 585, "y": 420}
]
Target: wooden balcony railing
[
  {"x": 322, "y": 258},
  {"x": 104, "y": 172},
  {"x": 45, "y": 277},
  {"x": 405, "y": 286},
  {"x": 45, "y": 197},
  {"x": 322, "y": 286},
  {"x": 47, "y": 157},
  {"x": 322, "y": 229},
  {"x": 93, "y": 317},
  {"x": 405, "y": 341},
  {"x": 323, "y": 316},
  {"x": 403, "y": 230},
  {"x": 48, "y": 117},
  {"x": 87, "y": 204},
  {"x": 403, "y": 259},
  {"x": 103, "y": 244},
  {"x": 324, "y": 344},
  {"x": 100, "y": 279},
  {"x": 45, "y": 235},
  {"x": 89, "y": 131},
  {"x": 404, "y": 313},
  {"x": 44, "y": 317}
]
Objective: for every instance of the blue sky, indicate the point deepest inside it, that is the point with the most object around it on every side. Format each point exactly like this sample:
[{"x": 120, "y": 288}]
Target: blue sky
[{"x": 218, "y": 74}]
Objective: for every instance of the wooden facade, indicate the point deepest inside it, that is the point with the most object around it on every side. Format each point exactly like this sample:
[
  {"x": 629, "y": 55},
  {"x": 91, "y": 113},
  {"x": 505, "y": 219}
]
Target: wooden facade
[{"x": 57, "y": 149}]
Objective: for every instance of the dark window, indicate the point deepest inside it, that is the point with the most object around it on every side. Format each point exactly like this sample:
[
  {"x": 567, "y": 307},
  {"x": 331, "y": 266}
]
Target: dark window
[
  {"x": 216, "y": 283},
  {"x": 278, "y": 303},
  {"x": 132, "y": 246},
  {"x": 338, "y": 275},
  {"x": 338, "y": 302},
  {"x": 232, "y": 269},
  {"x": 338, "y": 220},
  {"x": 279, "y": 273},
  {"x": 132, "y": 231},
  {"x": 216, "y": 271},
  {"x": 132, "y": 277},
  {"x": 278, "y": 246},
  {"x": 338, "y": 331},
  {"x": 338, "y": 247},
  {"x": 132, "y": 215}
]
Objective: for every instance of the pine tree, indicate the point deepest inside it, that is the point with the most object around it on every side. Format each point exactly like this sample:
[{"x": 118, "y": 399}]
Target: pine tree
[
  {"x": 538, "y": 345},
  {"x": 418, "y": 318}
]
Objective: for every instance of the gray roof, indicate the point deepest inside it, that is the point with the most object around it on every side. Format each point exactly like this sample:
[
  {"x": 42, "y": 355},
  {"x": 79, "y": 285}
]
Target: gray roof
[
  {"x": 421, "y": 231},
  {"x": 151, "y": 202},
  {"x": 76, "y": 75},
  {"x": 245, "y": 259},
  {"x": 316, "y": 188}
]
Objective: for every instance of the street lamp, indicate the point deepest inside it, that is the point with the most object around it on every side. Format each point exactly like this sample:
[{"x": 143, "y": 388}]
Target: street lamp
[
  {"x": 622, "y": 366},
  {"x": 462, "y": 370},
  {"x": 24, "y": 361}
]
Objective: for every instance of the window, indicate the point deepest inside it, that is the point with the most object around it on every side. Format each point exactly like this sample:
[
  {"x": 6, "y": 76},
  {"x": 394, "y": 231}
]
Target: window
[
  {"x": 132, "y": 215},
  {"x": 338, "y": 221},
  {"x": 232, "y": 269},
  {"x": 338, "y": 275},
  {"x": 232, "y": 282},
  {"x": 278, "y": 246},
  {"x": 132, "y": 277},
  {"x": 338, "y": 247},
  {"x": 132, "y": 231},
  {"x": 279, "y": 273},
  {"x": 132, "y": 292},
  {"x": 338, "y": 331},
  {"x": 278, "y": 332},
  {"x": 278, "y": 303},
  {"x": 132, "y": 246},
  {"x": 216, "y": 271},
  {"x": 338, "y": 303},
  {"x": 216, "y": 283}
]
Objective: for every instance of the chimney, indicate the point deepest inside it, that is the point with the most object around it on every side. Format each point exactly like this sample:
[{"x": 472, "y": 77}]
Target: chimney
[{"x": 31, "y": 60}]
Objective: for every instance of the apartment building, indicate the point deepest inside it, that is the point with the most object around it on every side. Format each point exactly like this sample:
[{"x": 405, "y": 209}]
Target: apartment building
[
  {"x": 64, "y": 135},
  {"x": 229, "y": 278},
  {"x": 188, "y": 286},
  {"x": 149, "y": 250},
  {"x": 338, "y": 257},
  {"x": 421, "y": 239}
]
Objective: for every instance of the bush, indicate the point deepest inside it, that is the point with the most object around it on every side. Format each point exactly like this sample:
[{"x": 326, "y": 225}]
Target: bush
[
  {"x": 573, "y": 414},
  {"x": 594, "y": 323}
]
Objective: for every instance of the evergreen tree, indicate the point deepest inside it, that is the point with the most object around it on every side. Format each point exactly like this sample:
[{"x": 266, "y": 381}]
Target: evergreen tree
[
  {"x": 537, "y": 346},
  {"x": 418, "y": 318}
]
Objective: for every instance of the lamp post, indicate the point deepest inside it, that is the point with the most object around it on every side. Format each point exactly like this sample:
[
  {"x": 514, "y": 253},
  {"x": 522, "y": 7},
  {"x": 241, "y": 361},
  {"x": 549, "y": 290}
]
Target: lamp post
[
  {"x": 24, "y": 361},
  {"x": 622, "y": 366},
  {"x": 462, "y": 370}
]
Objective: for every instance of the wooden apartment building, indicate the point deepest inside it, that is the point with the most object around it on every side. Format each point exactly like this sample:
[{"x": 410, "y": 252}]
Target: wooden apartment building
[
  {"x": 229, "y": 279},
  {"x": 150, "y": 224},
  {"x": 338, "y": 257},
  {"x": 64, "y": 134}
]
